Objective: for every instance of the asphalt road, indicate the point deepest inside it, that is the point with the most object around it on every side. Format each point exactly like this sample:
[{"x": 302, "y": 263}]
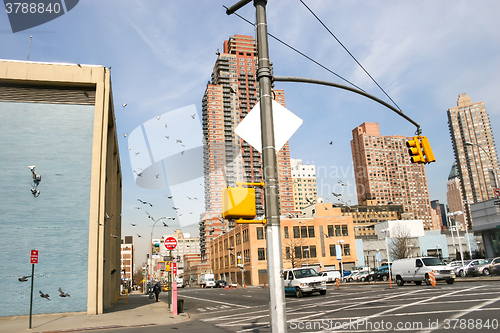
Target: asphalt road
[{"x": 461, "y": 307}]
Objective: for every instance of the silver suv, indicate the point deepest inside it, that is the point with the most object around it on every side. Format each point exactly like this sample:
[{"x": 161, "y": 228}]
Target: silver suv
[{"x": 485, "y": 266}]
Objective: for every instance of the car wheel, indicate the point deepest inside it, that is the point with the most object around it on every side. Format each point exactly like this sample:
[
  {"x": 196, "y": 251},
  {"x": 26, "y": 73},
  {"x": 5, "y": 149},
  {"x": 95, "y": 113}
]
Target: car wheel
[
  {"x": 450, "y": 281},
  {"x": 486, "y": 271},
  {"x": 322, "y": 292},
  {"x": 385, "y": 278},
  {"x": 298, "y": 292},
  {"x": 399, "y": 281},
  {"x": 350, "y": 280},
  {"x": 418, "y": 283},
  {"x": 427, "y": 280},
  {"x": 363, "y": 279}
]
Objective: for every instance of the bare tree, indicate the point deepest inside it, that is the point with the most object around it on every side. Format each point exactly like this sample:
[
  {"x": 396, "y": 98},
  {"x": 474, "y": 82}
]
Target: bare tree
[
  {"x": 401, "y": 243},
  {"x": 138, "y": 276},
  {"x": 292, "y": 251}
]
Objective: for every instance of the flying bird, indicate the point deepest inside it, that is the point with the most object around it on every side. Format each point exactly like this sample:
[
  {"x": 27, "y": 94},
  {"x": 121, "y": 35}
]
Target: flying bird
[
  {"x": 137, "y": 153},
  {"x": 24, "y": 278},
  {"x": 125, "y": 135},
  {"x": 138, "y": 175},
  {"x": 178, "y": 141},
  {"x": 46, "y": 296},
  {"x": 137, "y": 207},
  {"x": 114, "y": 236},
  {"x": 194, "y": 115},
  {"x": 124, "y": 104},
  {"x": 307, "y": 199},
  {"x": 79, "y": 65},
  {"x": 166, "y": 125},
  {"x": 331, "y": 142},
  {"x": 158, "y": 175},
  {"x": 158, "y": 117},
  {"x": 342, "y": 183},
  {"x": 337, "y": 194},
  {"x": 138, "y": 235},
  {"x": 175, "y": 208},
  {"x": 86, "y": 94},
  {"x": 108, "y": 217},
  {"x": 133, "y": 224},
  {"x": 169, "y": 196},
  {"x": 149, "y": 216},
  {"x": 164, "y": 224},
  {"x": 182, "y": 152},
  {"x": 62, "y": 293},
  {"x": 167, "y": 137},
  {"x": 129, "y": 148}
]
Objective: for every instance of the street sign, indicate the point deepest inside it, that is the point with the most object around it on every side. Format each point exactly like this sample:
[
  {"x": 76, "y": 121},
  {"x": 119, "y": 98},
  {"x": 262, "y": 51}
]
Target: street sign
[
  {"x": 497, "y": 192},
  {"x": 170, "y": 243},
  {"x": 285, "y": 124},
  {"x": 174, "y": 268},
  {"x": 34, "y": 257}
]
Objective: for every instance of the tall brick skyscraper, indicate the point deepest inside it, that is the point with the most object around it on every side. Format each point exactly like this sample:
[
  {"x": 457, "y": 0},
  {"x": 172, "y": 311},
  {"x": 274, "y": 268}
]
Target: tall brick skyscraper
[
  {"x": 469, "y": 123},
  {"x": 230, "y": 94},
  {"x": 383, "y": 172}
]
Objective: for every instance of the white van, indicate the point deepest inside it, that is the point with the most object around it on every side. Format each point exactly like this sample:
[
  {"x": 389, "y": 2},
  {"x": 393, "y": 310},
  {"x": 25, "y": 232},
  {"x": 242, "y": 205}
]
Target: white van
[
  {"x": 304, "y": 280},
  {"x": 417, "y": 270},
  {"x": 330, "y": 276}
]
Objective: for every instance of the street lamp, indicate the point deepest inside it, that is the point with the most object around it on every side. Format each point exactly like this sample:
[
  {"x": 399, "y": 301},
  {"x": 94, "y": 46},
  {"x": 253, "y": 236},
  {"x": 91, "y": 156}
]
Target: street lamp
[
  {"x": 387, "y": 234},
  {"x": 151, "y": 248},
  {"x": 341, "y": 263},
  {"x": 454, "y": 226},
  {"x": 495, "y": 180}
]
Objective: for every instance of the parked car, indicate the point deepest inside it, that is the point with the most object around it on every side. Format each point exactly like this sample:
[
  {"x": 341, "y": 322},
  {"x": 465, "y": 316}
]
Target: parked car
[
  {"x": 220, "y": 284},
  {"x": 330, "y": 276},
  {"x": 484, "y": 267},
  {"x": 459, "y": 268},
  {"x": 379, "y": 274},
  {"x": 417, "y": 270},
  {"x": 496, "y": 269},
  {"x": 362, "y": 276}
]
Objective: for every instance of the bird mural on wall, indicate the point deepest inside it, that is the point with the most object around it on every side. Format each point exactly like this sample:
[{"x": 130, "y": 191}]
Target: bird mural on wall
[
  {"x": 46, "y": 296},
  {"x": 62, "y": 293}
]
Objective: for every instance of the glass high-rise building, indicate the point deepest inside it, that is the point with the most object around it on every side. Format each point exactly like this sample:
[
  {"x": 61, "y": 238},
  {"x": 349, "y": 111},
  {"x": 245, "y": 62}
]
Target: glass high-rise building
[
  {"x": 474, "y": 147},
  {"x": 230, "y": 94}
]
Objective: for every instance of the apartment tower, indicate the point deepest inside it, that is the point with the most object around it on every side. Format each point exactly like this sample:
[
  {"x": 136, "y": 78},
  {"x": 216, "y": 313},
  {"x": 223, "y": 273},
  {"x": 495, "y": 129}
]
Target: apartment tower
[
  {"x": 305, "y": 188},
  {"x": 230, "y": 94},
  {"x": 474, "y": 148},
  {"x": 454, "y": 197},
  {"x": 383, "y": 172}
]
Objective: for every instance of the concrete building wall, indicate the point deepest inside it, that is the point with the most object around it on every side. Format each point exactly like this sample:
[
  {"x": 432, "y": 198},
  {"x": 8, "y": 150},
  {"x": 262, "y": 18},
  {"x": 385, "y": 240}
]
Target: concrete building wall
[{"x": 59, "y": 117}]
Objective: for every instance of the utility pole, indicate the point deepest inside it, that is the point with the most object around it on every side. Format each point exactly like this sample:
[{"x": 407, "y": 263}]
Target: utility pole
[{"x": 277, "y": 304}]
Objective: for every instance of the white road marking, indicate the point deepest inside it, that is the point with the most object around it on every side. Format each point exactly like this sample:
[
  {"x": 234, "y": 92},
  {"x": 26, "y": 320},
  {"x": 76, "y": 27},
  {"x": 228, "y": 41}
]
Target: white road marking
[{"x": 209, "y": 300}]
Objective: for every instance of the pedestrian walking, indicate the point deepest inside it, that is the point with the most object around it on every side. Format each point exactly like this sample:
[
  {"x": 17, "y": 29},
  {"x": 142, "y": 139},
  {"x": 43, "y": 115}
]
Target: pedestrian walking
[{"x": 157, "y": 290}]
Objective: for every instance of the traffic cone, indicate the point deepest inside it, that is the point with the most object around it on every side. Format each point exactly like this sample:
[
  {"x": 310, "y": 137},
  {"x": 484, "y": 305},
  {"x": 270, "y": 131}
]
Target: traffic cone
[
  {"x": 231, "y": 287},
  {"x": 244, "y": 286}
]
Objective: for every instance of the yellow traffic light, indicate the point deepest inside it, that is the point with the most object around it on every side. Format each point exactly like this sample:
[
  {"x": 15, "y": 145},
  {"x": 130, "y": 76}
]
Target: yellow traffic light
[
  {"x": 415, "y": 151},
  {"x": 426, "y": 147}
]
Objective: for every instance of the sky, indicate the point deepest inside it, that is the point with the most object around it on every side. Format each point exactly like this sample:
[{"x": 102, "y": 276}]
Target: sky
[{"x": 161, "y": 53}]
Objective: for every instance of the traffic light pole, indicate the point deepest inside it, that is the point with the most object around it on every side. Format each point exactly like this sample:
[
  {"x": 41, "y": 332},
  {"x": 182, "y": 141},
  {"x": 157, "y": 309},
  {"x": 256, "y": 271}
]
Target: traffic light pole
[{"x": 277, "y": 304}]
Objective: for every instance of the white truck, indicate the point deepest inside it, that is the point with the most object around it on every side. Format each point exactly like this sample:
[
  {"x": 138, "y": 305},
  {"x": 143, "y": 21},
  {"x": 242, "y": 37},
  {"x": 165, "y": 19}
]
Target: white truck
[
  {"x": 417, "y": 270},
  {"x": 304, "y": 280},
  {"x": 207, "y": 281}
]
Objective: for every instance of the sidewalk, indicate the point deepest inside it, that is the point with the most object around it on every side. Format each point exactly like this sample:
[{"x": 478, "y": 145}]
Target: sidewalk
[{"x": 139, "y": 312}]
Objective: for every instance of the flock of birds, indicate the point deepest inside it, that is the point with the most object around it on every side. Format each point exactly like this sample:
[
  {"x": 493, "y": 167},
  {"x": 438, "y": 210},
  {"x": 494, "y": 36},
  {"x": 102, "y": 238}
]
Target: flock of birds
[
  {"x": 158, "y": 117},
  {"x": 42, "y": 295}
]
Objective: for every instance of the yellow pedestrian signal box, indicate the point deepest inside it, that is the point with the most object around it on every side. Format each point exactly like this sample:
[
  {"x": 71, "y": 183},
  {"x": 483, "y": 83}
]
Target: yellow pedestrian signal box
[{"x": 238, "y": 202}]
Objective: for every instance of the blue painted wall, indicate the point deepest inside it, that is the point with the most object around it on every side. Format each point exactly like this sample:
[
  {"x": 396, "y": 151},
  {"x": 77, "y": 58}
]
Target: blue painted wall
[{"x": 58, "y": 140}]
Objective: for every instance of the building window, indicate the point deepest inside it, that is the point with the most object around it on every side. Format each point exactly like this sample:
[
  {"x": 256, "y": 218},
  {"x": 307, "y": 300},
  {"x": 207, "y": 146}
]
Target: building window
[
  {"x": 344, "y": 230},
  {"x": 312, "y": 251},
  {"x": 261, "y": 253},
  {"x": 303, "y": 232},
  {"x": 347, "y": 250},
  {"x": 238, "y": 238},
  {"x": 337, "y": 230},
  {"x": 298, "y": 252},
  {"x": 286, "y": 233},
  {"x": 296, "y": 232},
  {"x": 330, "y": 231},
  {"x": 245, "y": 236},
  {"x": 287, "y": 253},
  {"x": 310, "y": 230},
  {"x": 333, "y": 253},
  {"x": 260, "y": 233}
]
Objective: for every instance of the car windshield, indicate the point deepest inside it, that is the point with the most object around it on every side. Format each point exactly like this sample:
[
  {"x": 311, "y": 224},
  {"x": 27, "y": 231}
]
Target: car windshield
[
  {"x": 433, "y": 262},
  {"x": 305, "y": 272}
]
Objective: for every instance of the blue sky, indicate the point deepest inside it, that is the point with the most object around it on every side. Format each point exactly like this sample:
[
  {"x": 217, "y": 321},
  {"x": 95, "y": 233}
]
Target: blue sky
[{"x": 424, "y": 54}]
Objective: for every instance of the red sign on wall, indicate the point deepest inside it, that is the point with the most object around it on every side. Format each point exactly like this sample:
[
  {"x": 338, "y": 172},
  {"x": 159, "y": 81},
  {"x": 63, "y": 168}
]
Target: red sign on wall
[{"x": 34, "y": 257}]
